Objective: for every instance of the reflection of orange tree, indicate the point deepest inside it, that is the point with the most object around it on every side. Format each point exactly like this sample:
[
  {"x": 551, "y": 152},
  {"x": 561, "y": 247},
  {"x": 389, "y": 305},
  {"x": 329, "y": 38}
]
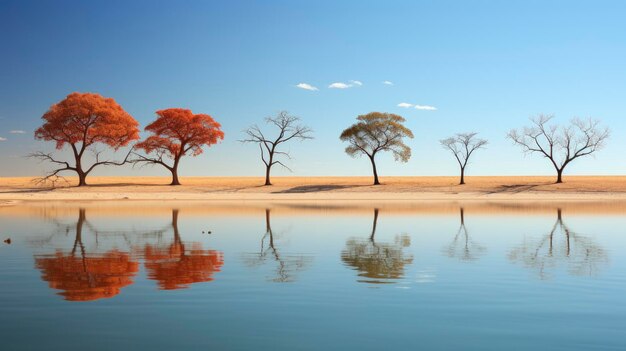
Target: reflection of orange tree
[
  {"x": 176, "y": 267},
  {"x": 83, "y": 277},
  {"x": 377, "y": 262},
  {"x": 286, "y": 265},
  {"x": 581, "y": 254},
  {"x": 462, "y": 246}
]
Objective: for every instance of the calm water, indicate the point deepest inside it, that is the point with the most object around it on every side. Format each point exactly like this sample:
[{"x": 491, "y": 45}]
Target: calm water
[{"x": 436, "y": 277}]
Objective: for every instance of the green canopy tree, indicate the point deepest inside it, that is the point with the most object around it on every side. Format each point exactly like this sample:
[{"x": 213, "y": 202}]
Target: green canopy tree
[{"x": 376, "y": 132}]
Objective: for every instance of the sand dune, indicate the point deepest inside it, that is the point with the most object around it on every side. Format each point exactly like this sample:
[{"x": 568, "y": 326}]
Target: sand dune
[{"x": 578, "y": 188}]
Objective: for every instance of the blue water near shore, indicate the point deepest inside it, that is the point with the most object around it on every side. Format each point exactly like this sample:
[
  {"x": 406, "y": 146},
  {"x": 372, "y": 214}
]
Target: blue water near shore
[{"x": 298, "y": 278}]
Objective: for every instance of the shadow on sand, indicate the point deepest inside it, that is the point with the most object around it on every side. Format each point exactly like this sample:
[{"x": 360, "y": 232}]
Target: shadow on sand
[{"x": 313, "y": 188}]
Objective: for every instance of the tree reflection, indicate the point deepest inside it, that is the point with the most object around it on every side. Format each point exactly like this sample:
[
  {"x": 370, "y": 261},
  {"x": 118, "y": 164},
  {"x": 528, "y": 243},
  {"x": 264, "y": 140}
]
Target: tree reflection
[
  {"x": 287, "y": 266},
  {"x": 85, "y": 277},
  {"x": 580, "y": 254},
  {"x": 177, "y": 266},
  {"x": 377, "y": 263},
  {"x": 462, "y": 246}
]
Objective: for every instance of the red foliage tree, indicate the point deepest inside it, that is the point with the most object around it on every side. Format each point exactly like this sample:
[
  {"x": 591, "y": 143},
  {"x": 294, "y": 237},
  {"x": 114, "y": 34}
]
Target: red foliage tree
[
  {"x": 175, "y": 133},
  {"x": 88, "y": 278},
  {"x": 177, "y": 267},
  {"x": 82, "y": 120}
]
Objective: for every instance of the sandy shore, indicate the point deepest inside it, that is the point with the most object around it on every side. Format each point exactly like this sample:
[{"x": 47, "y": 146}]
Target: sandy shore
[{"x": 575, "y": 188}]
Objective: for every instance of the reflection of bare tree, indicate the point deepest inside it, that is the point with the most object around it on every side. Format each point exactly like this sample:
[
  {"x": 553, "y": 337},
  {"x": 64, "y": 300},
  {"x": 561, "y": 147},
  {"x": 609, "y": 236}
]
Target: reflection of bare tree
[
  {"x": 287, "y": 266},
  {"x": 581, "y": 255},
  {"x": 462, "y": 246},
  {"x": 83, "y": 276},
  {"x": 377, "y": 263}
]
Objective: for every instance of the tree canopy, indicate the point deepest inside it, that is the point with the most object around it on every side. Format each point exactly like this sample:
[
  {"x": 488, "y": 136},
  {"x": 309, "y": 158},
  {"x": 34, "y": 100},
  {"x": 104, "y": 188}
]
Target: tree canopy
[
  {"x": 177, "y": 132},
  {"x": 80, "y": 121},
  {"x": 376, "y": 132}
]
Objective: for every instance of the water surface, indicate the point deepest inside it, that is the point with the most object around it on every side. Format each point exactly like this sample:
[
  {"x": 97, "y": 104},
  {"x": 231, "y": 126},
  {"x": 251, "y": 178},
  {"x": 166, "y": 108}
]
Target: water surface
[{"x": 310, "y": 277}]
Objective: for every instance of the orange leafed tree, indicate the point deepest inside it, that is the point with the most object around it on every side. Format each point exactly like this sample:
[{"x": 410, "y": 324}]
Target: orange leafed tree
[
  {"x": 175, "y": 133},
  {"x": 88, "y": 278},
  {"x": 177, "y": 267},
  {"x": 81, "y": 121}
]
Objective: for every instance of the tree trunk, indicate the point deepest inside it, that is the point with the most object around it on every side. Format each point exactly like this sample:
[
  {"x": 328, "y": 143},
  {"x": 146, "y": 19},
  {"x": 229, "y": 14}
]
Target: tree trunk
[
  {"x": 267, "y": 175},
  {"x": 559, "y": 174},
  {"x": 175, "y": 180},
  {"x": 462, "y": 176},
  {"x": 174, "y": 171},
  {"x": 376, "y": 182},
  {"x": 374, "y": 224},
  {"x": 82, "y": 178}
]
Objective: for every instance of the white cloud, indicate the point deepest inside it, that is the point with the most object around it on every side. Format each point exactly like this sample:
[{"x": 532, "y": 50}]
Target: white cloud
[
  {"x": 17, "y": 132},
  {"x": 306, "y": 86},
  {"x": 3, "y": 139},
  {"x": 417, "y": 107},
  {"x": 386, "y": 82},
  {"x": 425, "y": 107},
  {"x": 340, "y": 86}
]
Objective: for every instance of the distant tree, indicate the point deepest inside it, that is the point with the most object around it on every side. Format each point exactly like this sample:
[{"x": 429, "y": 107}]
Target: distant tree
[
  {"x": 175, "y": 133},
  {"x": 376, "y": 132},
  {"x": 463, "y": 146},
  {"x": 288, "y": 129},
  {"x": 560, "y": 144},
  {"x": 81, "y": 121}
]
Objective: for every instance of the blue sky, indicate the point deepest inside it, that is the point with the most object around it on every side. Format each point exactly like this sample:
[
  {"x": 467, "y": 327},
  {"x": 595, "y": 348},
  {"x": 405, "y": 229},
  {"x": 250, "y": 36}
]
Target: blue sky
[{"x": 486, "y": 66}]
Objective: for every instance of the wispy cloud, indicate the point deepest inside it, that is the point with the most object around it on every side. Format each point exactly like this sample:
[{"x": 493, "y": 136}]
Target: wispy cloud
[
  {"x": 425, "y": 107},
  {"x": 3, "y": 139},
  {"x": 386, "y": 82},
  {"x": 17, "y": 132},
  {"x": 306, "y": 86},
  {"x": 417, "y": 107},
  {"x": 341, "y": 85}
]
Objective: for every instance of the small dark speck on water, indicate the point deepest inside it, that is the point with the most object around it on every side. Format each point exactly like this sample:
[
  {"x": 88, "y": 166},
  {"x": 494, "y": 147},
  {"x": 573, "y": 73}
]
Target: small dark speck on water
[{"x": 7, "y": 241}]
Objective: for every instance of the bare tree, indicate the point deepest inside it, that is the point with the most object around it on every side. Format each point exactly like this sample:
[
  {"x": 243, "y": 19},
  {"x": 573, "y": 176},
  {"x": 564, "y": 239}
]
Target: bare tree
[
  {"x": 561, "y": 245},
  {"x": 560, "y": 144},
  {"x": 463, "y": 146},
  {"x": 375, "y": 132},
  {"x": 462, "y": 246},
  {"x": 288, "y": 129}
]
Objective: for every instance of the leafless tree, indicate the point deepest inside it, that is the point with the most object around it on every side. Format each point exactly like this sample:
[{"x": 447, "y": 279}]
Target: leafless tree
[
  {"x": 561, "y": 245},
  {"x": 287, "y": 265},
  {"x": 560, "y": 144},
  {"x": 288, "y": 129},
  {"x": 463, "y": 146},
  {"x": 462, "y": 246}
]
